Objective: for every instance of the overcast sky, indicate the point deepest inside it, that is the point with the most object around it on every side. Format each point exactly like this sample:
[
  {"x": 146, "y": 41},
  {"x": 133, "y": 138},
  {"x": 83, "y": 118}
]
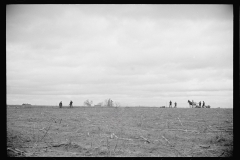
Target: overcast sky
[{"x": 136, "y": 55}]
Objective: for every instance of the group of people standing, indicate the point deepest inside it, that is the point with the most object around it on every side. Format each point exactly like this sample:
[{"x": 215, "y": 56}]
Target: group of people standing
[
  {"x": 202, "y": 104},
  {"x": 170, "y": 104},
  {"x": 70, "y": 105}
]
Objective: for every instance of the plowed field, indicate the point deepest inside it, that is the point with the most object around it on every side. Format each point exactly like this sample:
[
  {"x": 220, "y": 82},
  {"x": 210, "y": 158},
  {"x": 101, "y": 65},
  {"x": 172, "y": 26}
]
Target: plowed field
[{"x": 125, "y": 132}]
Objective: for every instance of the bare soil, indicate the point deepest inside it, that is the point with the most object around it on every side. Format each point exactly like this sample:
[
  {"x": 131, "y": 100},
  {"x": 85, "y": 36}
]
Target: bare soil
[{"x": 119, "y": 132}]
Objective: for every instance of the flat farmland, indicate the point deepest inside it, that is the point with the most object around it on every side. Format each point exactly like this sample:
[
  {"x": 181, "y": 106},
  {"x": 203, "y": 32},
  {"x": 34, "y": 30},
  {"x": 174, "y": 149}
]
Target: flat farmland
[{"x": 119, "y": 132}]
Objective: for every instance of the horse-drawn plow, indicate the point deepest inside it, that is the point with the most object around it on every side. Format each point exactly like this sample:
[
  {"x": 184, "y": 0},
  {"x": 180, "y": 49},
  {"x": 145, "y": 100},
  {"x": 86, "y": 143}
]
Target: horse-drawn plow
[{"x": 193, "y": 104}]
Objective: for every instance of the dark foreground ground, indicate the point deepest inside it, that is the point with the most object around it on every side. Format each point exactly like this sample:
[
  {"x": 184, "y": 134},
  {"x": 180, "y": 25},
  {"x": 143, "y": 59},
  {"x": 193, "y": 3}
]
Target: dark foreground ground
[{"x": 89, "y": 131}]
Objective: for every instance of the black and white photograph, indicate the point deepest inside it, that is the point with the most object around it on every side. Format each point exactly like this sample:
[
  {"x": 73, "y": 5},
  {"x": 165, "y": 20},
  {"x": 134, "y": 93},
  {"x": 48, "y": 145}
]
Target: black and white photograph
[{"x": 119, "y": 80}]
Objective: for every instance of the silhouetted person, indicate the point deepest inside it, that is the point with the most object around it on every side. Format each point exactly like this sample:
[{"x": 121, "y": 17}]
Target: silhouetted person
[
  {"x": 203, "y": 104},
  {"x": 200, "y": 104},
  {"x": 60, "y": 104},
  {"x": 71, "y": 104},
  {"x": 175, "y": 105},
  {"x": 170, "y": 104}
]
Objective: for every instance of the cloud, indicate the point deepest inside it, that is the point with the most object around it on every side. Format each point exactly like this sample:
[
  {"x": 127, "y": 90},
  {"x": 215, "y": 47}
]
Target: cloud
[{"x": 128, "y": 52}]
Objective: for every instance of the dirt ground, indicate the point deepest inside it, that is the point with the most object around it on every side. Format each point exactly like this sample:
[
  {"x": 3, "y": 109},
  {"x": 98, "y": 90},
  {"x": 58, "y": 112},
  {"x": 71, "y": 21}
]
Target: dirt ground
[{"x": 119, "y": 132}]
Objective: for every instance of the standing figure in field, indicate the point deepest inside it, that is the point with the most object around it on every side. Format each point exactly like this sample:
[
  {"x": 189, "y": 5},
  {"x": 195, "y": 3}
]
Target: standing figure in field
[
  {"x": 200, "y": 104},
  {"x": 60, "y": 104},
  {"x": 170, "y": 104},
  {"x": 175, "y": 105},
  {"x": 71, "y": 104},
  {"x": 203, "y": 104}
]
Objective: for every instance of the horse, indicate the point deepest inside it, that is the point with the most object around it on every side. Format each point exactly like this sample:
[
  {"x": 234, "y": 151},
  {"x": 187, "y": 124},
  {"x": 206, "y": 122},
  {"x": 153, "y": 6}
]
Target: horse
[
  {"x": 193, "y": 104},
  {"x": 190, "y": 103}
]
